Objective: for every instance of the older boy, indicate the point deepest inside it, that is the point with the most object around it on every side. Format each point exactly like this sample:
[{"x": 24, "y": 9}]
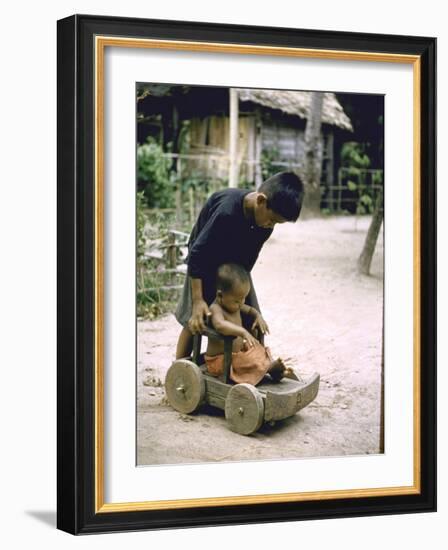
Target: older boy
[{"x": 232, "y": 227}]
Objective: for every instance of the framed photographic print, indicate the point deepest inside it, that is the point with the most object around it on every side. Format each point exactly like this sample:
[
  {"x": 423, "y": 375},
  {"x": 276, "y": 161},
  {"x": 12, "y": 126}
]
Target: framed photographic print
[{"x": 246, "y": 274}]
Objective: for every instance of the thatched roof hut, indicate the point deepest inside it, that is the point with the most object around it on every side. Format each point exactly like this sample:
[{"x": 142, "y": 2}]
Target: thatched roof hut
[
  {"x": 271, "y": 125},
  {"x": 298, "y": 104}
]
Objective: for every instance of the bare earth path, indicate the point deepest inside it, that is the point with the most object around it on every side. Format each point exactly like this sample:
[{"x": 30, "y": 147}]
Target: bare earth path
[{"x": 321, "y": 314}]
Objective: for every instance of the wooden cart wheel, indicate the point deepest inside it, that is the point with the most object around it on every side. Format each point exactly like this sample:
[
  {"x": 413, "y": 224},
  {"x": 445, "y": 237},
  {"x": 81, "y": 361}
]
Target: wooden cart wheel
[
  {"x": 184, "y": 386},
  {"x": 244, "y": 409}
]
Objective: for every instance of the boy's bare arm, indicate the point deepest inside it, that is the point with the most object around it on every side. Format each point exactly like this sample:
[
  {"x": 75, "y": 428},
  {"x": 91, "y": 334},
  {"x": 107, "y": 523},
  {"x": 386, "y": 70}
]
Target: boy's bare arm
[
  {"x": 200, "y": 310},
  {"x": 196, "y": 289},
  {"x": 228, "y": 328}
]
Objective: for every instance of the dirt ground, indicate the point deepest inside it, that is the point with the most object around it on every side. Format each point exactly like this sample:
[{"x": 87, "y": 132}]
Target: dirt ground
[{"x": 324, "y": 316}]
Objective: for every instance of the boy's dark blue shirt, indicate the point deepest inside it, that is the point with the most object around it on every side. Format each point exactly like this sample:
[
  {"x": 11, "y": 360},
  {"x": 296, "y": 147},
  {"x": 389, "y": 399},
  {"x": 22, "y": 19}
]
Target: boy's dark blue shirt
[{"x": 222, "y": 234}]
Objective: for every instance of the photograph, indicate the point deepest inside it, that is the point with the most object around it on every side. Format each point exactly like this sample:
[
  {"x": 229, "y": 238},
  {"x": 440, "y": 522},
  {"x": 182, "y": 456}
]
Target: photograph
[{"x": 259, "y": 274}]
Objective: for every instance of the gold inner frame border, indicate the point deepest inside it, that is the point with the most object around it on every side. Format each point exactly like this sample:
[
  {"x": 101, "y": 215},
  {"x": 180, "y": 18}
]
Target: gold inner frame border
[{"x": 101, "y": 42}]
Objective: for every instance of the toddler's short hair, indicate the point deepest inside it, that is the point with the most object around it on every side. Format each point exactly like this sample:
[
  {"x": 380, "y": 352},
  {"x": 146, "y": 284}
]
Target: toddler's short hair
[
  {"x": 284, "y": 192},
  {"x": 230, "y": 274}
]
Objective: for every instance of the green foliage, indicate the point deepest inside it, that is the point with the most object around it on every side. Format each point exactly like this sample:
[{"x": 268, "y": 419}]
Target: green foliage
[
  {"x": 268, "y": 158},
  {"x": 141, "y": 222},
  {"x": 355, "y": 161},
  {"x": 155, "y": 176},
  {"x": 377, "y": 177},
  {"x": 353, "y": 155},
  {"x": 244, "y": 184},
  {"x": 366, "y": 200},
  {"x": 196, "y": 181},
  {"x": 365, "y": 205}
]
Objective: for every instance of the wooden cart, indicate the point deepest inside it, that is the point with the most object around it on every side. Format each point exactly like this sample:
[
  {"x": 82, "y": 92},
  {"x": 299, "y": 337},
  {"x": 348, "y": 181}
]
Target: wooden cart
[{"x": 188, "y": 385}]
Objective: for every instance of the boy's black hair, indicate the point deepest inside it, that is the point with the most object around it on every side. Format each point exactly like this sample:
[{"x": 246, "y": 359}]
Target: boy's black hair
[
  {"x": 229, "y": 274},
  {"x": 284, "y": 192}
]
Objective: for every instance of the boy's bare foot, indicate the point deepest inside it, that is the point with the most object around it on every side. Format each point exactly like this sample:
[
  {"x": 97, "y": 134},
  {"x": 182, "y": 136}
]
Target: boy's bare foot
[{"x": 277, "y": 370}]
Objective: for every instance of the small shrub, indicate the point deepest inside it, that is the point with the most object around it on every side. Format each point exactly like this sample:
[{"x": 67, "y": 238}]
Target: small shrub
[
  {"x": 268, "y": 160},
  {"x": 155, "y": 176}
]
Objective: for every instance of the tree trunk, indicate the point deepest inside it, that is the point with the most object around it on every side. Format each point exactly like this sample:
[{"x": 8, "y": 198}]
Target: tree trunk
[
  {"x": 313, "y": 156},
  {"x": 365, "y": 259}
]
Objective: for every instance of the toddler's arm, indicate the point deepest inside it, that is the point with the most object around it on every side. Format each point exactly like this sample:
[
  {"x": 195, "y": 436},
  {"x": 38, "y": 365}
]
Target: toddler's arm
[
  {"x": 259, "y": 322},
  {"x": 249, "y": 310},
  {"x": 228, "y": 328}
]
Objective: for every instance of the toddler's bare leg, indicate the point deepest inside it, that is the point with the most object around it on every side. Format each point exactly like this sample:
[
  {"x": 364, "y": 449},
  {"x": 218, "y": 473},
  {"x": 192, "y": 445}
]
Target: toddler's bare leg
[
  {"x": 277, "y": 369},
  {"x": 184, "y": 344}
]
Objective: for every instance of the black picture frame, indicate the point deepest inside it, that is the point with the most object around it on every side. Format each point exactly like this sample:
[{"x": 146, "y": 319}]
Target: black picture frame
[{"x": 76, "y": 475}]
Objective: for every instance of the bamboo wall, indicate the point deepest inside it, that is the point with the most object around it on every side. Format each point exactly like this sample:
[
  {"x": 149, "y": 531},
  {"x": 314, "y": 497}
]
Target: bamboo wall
[{"x": 209, "y": 141}]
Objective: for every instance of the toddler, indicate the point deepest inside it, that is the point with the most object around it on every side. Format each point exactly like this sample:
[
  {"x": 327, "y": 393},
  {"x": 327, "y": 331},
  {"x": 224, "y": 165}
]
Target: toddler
[{"x": 251, "y": 361}]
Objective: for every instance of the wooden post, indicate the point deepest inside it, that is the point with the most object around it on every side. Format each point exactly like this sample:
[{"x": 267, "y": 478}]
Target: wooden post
[
  {"x": 197, "y": 348},
  {"x": 171, "y": 251},
  {"x": 179, "y": 194},
  {"x": 252, "y": 128},
  {"x": 192, "y": 205},
  {"x": 258, "y": 150},
  {"x": 228, "y": 343},
  {"x": 329, "y": 153},
  {"x": 178, "y": 206},
  {"x": 339, "y": 190},
  {"x": 208, "y": 171},
  {"x": 233, "y": 138}
]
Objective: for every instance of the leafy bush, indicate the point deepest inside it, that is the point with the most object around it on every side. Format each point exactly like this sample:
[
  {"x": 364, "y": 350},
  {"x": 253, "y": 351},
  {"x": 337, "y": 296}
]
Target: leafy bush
[
  {"x": 155, "y": 176},
  {"x": 268, "y": 160},
  {"x": 355, "y": 161},
  {"x": 141, "y": 222},
  {"x": 353, "y": 155}
]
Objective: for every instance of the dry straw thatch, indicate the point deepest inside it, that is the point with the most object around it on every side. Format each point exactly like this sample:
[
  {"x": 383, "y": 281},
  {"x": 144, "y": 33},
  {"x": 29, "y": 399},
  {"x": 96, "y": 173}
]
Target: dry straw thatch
[{"x": 298, "y": 104}]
